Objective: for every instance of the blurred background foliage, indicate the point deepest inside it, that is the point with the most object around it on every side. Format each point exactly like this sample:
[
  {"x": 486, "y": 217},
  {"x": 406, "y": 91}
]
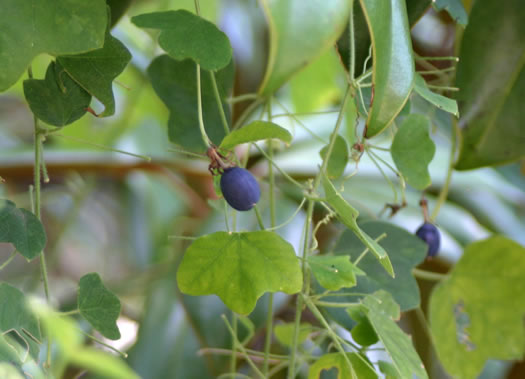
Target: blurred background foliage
[{"x": 113, "y": 214}]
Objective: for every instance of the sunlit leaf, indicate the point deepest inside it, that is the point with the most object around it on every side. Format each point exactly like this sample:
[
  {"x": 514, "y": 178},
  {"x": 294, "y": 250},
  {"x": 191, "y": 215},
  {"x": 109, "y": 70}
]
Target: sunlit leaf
[
  {"x": 413, "y": 150},
  {"x": 21, "y": 228},
  {"x": 477, "y": 313},
  {"x": 442, "y": 102},
  {"x": 360, "y": 366},
  {"x": 383, "y": 312},
  {"x": 393, "y": 69},
  {"x": 96, "y": 70},
  {"x": 57, "y": 100},
  {"x": 455, "y": 9},
  {"x": 299, "y": 32},
  {"x": 30, "y": 28},
  {"x": 239, "y": 268},
  {"x": 98, "y": 305},
  {"x": 492, "y": 83},
  {"x": 175, "y": 82},
  {"x": 255, "y": 131},
  {"x": 285, "y": 332},
  {"x": 348, "y": 216},
  {"x": 338, "y": 158},
  {"x": 334, "y": 272},
  {"x": 186, "y": 35}
]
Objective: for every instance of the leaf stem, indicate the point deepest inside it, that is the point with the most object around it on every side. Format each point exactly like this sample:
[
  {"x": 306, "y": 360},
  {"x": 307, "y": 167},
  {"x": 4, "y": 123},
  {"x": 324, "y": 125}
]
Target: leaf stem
[
  {"x": 38, "y": 147},
  {"x": 259, "y": 217},
  {"x": 428, "y": 275},
  {"x": 8, "y": 260},
  {"x": 351, "y": 69},
  {"x": 452, "y": 160},
  {"x": 99, "y": 341},
  {"x": 219, "y": 103},
  {"x": 205, "y": 137},
  {"x": 241, "y": 98}
]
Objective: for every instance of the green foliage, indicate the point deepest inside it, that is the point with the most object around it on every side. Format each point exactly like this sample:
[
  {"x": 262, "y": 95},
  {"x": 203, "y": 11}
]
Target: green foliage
[
  {"x": 255, "y": 131},
  {"x": 64, "y": 27},
  {"x": 361, "y": 367},
  {"x": 186, "y": 35},
  {"x": 57, "y": 100},
  {"x": 239, "y": 268},
  {"x": 16, "y": 317},
  {"x": 491, "y": 87},
  {"x": 393, "y": 70},
  {"x": 348, "y": 216},
  {"x": 21, "y": 228},
  {"x": 98, "y": 305},
  {"x": 284, "y": 333},
  {"x": 441, "y": 102},
  {"x": 382, "y": 312},
  {"x": 175, "y": 83},
  {"x": 334, "y": 273},
  {"x": 479, "y": 305},
  {"x": 95, "y": 70},
  {"x": 289, "y": 24},
  {"x": 338, "y": 159},
  {"x": 413, "y": 150}
]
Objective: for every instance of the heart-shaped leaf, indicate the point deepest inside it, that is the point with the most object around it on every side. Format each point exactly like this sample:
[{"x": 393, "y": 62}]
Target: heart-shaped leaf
[
  {"x": 96, "y": 70},
  {"x": 21, "y": 228},
  {"x": 363, "y": 333},
  {"x": 98, "y": 305},
  {"x": 299, "y": 32},
  {"x": 361, "y": 367},
  {"x": 479, "y": 305},
  {"x": 492, "y": 83},
  {"x": 30, "y": 28},
  {"x": 175, "y": 83},
  {"x": 348, "y": 216},
  {"x": 338, "y": 159},
  {"x": 186, "y": 35},
  {"x": 413, "y": 150},
  {"x": 383, "y": 312},
  {"x": 442, "y": 102},
  {"x": 393, "y": 69},
  {"x": 255, "y": 131},
  {"x": 57, "y": 100},
  {"x": 239, "y": 268},
  {"x": 16, "y": 317},
  {"x": 333, "y": 272}
]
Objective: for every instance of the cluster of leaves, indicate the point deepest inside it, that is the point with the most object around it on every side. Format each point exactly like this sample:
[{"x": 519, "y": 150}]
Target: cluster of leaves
[{"x": 371, "y": 263}]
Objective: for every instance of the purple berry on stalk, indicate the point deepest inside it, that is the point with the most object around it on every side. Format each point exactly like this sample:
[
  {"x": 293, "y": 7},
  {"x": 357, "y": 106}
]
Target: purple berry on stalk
[
  {"x": 430, "y": 234},
  {"x": 239, "y": 188}
]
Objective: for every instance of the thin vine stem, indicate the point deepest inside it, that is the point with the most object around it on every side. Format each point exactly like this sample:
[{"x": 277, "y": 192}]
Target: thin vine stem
[
  {"x": 428, "y": 275},
  {"x": 38, "y": 147},
  {"x": 99, "y": 341},
  {"x": 205, "y": 138},
  {"x": 452, "y": 160},
  {"x": 217, "y": 95},
  {"x": 8, "y": 260}
]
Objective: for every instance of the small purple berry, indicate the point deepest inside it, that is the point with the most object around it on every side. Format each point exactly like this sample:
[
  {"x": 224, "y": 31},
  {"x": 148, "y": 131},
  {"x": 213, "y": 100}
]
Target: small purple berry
[
  {"x": 239, "y": 188},
  {"x": 430, "y": 234}
]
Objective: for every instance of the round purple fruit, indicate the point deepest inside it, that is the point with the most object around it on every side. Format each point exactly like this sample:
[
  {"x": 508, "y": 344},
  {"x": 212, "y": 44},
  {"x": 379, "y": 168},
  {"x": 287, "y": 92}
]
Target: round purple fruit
[
  {"x": 239, "y": 188},
  {"x": 430, "y": 234}
]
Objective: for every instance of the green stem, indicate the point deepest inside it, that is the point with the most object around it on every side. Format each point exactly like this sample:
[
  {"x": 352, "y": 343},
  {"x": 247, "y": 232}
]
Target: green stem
[
  {"x": 271, "y": 182},
  {"x": 205, "y": 137},
  {"x": 247, "y": 112},
  {"x": 70, "y": 313},
  {"x": 241, "y": 98},
  {"x": 121, "y": 353},
  {"x": 351, "y": 69},
  {"x": 8, "y": 260},
  {"x": 444, "y": 190},
  {"x": 233, "y": 357},
  {"x": 331, "y": 304},
  {"x": 333, "y": 335},
  {"x": 428, "y": 275},
  {"x": 242, "y": 349},
  {"x": 259, "y": 217},
  {"x": 306, "y": 231},
  {"x": 219, "y": 103},
  {"x": 37, "y": 208},
  {"x": 283, "y": 173}
]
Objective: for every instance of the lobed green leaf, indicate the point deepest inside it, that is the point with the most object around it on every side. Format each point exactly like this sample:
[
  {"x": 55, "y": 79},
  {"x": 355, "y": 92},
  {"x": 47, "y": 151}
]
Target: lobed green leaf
[
  {"x": 255, "y": 131},
  {"x": 442, "y": 102},
  {"x": 334, "y": 272}
]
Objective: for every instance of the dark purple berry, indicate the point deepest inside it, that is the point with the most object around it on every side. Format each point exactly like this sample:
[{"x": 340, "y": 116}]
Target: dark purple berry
[
  {"x": 239, "y": 188},
  {"x": 430, "y": 234}
]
